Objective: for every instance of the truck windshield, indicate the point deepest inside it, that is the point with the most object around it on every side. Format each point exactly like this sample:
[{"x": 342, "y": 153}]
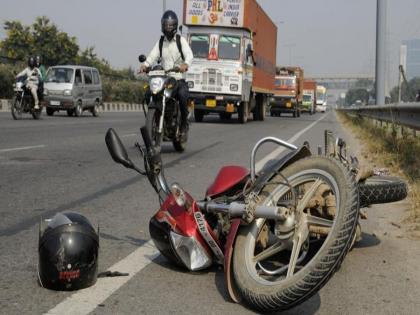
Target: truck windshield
[
  {"x": 200, "y": 45},
  {"x": 59, "y": 75},
  {"x": 289, "y": 82},
  {"x": 307, "y": 97},
  {"x": 229, "y": 47},
  {"x": 320, "y": 96}
]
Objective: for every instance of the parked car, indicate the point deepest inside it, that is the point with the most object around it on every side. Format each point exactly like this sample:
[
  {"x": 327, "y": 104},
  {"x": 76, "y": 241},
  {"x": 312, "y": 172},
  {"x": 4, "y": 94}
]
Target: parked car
[{"x": 73, "y": 89}]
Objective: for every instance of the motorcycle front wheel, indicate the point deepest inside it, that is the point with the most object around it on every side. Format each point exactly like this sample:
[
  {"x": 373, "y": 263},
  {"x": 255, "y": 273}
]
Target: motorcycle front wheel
[
  {"x": 16, "y": 109},
  {"x": 152, "y": 126},
  {"x": 36, "y": 113},
  {"x": 280, "y": 264}
]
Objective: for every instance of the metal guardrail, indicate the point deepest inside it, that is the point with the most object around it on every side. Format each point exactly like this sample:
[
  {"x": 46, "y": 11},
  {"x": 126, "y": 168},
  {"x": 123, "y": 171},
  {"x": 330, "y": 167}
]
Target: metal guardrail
[
  {"x": 105, "y": 107},
  {"x": 404, "y": 114}
]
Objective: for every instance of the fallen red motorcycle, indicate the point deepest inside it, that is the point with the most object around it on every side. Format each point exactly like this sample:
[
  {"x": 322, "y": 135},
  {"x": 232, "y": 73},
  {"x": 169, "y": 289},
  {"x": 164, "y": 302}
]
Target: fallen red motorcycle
[{"x": 280, "y": 232}]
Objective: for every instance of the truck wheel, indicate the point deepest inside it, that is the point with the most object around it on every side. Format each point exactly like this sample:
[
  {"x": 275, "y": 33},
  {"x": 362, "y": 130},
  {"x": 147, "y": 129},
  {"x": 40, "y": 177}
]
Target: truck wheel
[
  {"x": 198, "y": 115},
  {"x": 243, "y": 113},
  {"x": 259, "y": 112}
]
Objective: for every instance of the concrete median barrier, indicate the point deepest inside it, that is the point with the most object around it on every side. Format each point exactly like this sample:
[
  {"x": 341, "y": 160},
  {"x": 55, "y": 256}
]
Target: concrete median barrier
[{"x": 105, "y": 107}]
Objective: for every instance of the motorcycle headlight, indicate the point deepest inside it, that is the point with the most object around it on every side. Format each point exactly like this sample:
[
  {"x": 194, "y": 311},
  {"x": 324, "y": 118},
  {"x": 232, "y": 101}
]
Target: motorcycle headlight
[
  {"x": 67, "y": 92},
  {"x": 156, "y": 85},
  {"x": 190, "y": 251}
]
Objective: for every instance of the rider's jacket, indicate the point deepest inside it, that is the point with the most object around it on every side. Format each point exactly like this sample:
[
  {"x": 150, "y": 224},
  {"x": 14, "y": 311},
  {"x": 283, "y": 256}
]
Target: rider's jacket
[
  {"x": 32, "y": 75},
  {"x": 171, "y": 57}
]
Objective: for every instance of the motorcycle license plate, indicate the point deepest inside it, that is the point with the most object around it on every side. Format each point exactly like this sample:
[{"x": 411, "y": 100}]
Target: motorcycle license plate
[
  {"x": 289, "y": 104},
  {"x": 55, "y": 103},
  {"x": 211, "y": 103}
]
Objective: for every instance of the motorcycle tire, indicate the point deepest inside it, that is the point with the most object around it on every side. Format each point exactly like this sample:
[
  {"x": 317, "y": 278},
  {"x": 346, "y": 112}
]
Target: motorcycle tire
[
  {"x": 152, "y": 125},
  {"x": 262, "y": 292},
  {"x": 381, "y": 189},
  {"x": 36, "y": 113},
  {"x": 16, "y": 110}
]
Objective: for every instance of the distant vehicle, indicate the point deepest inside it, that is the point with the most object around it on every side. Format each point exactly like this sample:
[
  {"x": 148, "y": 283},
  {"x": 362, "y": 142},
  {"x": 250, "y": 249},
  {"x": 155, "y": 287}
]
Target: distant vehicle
[
  {"x": 358, "y": 103},
  {"x": 309, "y": 96},
  {"x": 288, "y": 92},
  {"x": 321, "y": 99},
  {"x": 230, "y": 73},
  {"x": 73, "y": 89}
]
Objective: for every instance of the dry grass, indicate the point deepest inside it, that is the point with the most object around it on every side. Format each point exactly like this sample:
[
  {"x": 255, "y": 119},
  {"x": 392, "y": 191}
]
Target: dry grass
[{"x": 386, "y": 147}]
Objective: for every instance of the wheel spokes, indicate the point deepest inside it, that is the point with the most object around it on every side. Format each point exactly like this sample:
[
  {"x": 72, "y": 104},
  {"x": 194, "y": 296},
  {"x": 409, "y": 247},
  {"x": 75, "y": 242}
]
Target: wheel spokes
[
  {"x": 308, "y": 195},
  {"x": 270, "y": 251},
  {"x": 312, "y": 220},
  {"x": 300, "y": 237}
]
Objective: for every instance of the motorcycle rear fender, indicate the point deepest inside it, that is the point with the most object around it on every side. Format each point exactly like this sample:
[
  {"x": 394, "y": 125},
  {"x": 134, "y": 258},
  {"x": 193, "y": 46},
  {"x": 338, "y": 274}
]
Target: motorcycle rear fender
[{"x": 263, "y": 177}]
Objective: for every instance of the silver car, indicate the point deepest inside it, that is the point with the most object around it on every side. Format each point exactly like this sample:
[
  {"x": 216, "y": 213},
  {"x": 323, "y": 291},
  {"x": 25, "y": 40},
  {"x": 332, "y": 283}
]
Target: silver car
[{"x": 74, "y": 89}]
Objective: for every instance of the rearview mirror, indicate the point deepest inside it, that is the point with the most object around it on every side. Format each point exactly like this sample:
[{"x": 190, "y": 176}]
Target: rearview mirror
[
  {"x": 116, "y": 149},
  {"x": 142, "y": 58}
]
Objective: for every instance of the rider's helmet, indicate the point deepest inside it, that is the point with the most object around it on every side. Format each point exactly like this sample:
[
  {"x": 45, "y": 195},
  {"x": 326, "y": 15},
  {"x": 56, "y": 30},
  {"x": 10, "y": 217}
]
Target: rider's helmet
[
  {"x": 31, "y": 62},
  {"x": 38, "y": 60},
  {"x": 169, "y": 24},
  {"x": 68, "y": 252}
]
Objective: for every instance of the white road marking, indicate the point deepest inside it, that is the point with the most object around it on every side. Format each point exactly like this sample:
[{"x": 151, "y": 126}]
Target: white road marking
[
  {"x": 23, "y": 148},
  {"x": 259, "y": 165},
  {"x": 85, "y": 301}
]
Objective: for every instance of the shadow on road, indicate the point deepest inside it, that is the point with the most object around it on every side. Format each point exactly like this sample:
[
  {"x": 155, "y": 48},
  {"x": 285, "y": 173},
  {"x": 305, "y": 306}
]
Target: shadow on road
[{"x": 368, "y": 240}]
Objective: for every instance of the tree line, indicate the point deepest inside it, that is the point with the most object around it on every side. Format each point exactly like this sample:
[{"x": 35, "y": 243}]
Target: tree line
[{"x": 56, "y": 47}]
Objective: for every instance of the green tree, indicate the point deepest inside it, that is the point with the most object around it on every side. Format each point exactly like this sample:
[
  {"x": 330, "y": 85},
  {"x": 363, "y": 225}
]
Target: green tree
[
  {"x": 408, "y": 91},
  {"x": 18, "y": 42},
  {"x": 354, "y": 95}
]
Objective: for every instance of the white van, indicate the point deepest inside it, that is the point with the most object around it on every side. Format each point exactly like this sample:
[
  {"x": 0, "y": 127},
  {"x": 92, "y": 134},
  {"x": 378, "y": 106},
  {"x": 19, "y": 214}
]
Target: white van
[{"x": 74, "y": 89}]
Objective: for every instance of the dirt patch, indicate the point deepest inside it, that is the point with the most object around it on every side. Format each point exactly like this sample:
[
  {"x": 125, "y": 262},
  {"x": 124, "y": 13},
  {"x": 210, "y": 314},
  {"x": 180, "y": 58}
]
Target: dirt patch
[{"x": 385, "y": 146}]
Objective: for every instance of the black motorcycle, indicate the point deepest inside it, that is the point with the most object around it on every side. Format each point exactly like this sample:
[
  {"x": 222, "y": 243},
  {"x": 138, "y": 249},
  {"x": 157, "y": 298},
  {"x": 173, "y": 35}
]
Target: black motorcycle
[
  {"x": 163, "y": 115},
  {"x": 23, "y": 101}
]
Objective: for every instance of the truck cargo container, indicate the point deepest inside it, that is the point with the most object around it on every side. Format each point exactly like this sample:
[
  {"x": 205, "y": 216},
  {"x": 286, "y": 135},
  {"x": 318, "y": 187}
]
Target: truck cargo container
[
  {"x": 234, "y": 44},
  {"x": 309, "y": 96},
  {"x": 288, "y": 91}
]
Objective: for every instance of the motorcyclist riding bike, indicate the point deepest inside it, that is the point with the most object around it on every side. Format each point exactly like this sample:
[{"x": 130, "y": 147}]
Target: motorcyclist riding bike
[
  {"x": 174, "y": 51},
  {"x": 33, "y": 76}
]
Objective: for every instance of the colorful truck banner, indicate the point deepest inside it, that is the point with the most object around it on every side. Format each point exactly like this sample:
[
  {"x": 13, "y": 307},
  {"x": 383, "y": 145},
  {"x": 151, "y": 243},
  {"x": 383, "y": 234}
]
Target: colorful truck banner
[{"x": 228, "y": 13}]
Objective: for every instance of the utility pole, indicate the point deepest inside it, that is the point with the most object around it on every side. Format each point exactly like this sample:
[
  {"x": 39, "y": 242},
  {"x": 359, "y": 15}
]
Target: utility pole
[
  {"x": 381, "y": 17},
  {"x": 164, "y": 6}
]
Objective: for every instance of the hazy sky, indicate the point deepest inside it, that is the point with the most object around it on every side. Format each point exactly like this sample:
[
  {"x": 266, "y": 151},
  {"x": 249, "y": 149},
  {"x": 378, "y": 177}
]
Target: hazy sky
[{"x": 325, "y": 37}]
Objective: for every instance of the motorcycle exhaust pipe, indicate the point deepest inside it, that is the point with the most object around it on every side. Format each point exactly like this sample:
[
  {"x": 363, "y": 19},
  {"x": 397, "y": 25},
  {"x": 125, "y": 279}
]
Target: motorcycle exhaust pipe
[{"x": 239, "y": 210}]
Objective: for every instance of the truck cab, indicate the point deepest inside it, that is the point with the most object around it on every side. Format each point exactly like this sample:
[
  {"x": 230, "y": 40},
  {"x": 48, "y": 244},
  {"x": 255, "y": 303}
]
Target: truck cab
[
  {"x": 287, "y": 96},
  {"x": 220, "y": 77}
]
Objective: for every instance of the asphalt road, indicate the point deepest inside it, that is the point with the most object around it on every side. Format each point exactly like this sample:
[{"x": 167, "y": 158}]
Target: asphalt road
[{"x": 62, "y": 164}]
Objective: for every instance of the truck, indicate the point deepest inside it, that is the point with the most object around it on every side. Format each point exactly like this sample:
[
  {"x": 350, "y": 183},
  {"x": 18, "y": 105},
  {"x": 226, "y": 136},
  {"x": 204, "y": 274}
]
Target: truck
[
  {"x": 234, "y": 45},
  {"x": 321, "y": 99},
  {"x": 288, "y": 91},
  {"x": 309, "y": 96}
]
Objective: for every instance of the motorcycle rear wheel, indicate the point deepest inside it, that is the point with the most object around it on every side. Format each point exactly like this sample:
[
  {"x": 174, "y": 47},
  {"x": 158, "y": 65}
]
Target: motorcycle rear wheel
[
  {"x": 36, "y": 113},
  {"x": 296, "y": 279}
]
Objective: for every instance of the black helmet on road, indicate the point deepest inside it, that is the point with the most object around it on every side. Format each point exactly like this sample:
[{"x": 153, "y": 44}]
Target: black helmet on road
[
  {"x": 31, "y": 62},
  {"x": 68, "y": 252},
  {"x": 169, "y": 24}
]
